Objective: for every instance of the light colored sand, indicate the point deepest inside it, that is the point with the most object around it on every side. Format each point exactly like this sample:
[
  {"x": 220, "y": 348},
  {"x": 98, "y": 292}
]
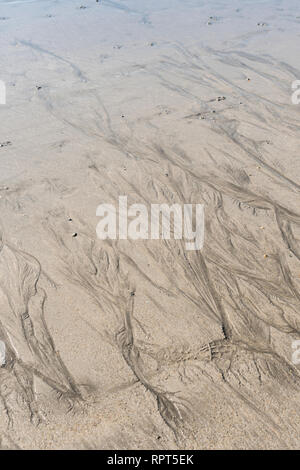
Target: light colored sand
[{"x": 200, "y": 356}]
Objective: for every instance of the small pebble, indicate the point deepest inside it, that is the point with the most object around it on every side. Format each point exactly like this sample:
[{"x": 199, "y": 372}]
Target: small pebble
[{"x": 74, "y": 235}]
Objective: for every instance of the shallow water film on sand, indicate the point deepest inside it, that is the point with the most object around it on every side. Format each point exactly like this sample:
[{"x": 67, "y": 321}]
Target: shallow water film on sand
[{"x": 135, "y": 341}]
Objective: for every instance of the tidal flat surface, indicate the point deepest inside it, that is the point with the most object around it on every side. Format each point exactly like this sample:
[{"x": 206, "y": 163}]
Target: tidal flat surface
[{"x": 142, "y": 344}]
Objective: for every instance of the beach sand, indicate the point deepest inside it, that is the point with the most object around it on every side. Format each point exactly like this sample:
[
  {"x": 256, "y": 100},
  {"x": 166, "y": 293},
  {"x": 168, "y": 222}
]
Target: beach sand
[{"x": 141, "y": 344}]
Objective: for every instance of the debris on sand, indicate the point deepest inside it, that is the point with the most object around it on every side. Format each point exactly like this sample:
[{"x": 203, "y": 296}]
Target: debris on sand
[
  {"x": 221, "y": 98},
  {"x": 211, "y": 20},
  {"x": 74, "y": 235},
  {"x": 5, "y": 144}
]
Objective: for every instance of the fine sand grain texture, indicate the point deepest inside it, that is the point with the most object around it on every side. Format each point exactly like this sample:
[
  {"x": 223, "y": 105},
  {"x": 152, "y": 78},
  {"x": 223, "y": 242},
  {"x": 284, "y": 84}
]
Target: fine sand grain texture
[{"x": 124, "y": 344}]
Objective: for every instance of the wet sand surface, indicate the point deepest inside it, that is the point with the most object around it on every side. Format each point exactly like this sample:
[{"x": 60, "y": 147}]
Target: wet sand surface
[{"x": 142, "y": 344}]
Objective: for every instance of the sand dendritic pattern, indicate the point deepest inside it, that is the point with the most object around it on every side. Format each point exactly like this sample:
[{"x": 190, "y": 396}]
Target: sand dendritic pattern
[{"x": 143, "y": 344}]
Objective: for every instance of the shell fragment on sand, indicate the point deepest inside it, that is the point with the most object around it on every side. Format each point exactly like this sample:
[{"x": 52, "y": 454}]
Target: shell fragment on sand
[{"x": 2, "y": 354}]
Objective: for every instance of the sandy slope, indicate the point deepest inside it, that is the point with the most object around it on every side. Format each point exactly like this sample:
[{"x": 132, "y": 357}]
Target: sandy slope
[{"x": 120, "y": 98}]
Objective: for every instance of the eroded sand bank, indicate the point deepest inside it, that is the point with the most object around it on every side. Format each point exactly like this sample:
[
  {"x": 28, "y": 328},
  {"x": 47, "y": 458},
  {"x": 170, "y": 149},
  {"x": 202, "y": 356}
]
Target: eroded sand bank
[{"x": 121, "y": 97}]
